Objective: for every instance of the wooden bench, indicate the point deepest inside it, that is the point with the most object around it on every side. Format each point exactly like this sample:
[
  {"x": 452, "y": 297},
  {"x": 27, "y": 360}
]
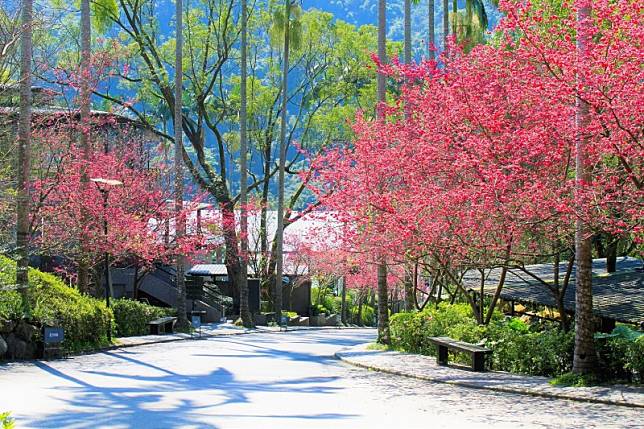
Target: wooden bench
[
  {"x": 477, "y": 352},
  {"x": 163, "y": 325}
]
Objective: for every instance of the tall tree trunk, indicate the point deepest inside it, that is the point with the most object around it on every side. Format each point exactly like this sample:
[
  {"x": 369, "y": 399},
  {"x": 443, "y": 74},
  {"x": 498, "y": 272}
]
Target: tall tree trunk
[
  {"x": 468, "y": 19},
  {"x": 611, "y": 254},
  {"x": 407, "y": 31},
  {"x": 244, "y": 310},
  {"x": 445, "y": 23},
  {"x": 431, "y": 39},
  {"x": 85, "y": 112},
  {"x": 343, "y": 303},
  {"x": 409, "y": 282},
  {"x": 279, "y": 237},
  {"x": 383, "y": 309},
  {"x": 455, "y": 18},
  {"x": 180, "y": 224},
  {"x": 24, "y": 154},
  {"x": 584, "y": 360},
  {"x": 383, "y": 314}
]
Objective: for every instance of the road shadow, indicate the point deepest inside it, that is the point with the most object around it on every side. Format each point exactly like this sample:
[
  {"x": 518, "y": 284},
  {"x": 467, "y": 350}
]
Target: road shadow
[{"x": 158, "y": 397}]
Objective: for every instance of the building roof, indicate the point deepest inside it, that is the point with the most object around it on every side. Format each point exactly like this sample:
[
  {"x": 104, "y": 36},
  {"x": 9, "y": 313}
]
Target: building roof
[
  {"x": 220, "y": 270},
  {"x": 211, "y": 270},
  {"x": 618, "y": 296}
]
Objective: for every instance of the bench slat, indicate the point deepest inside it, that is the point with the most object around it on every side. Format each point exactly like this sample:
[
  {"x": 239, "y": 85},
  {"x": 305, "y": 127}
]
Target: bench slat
[
  {"x": 459, "y": 345},
  {"x": 162, "y": 321}
]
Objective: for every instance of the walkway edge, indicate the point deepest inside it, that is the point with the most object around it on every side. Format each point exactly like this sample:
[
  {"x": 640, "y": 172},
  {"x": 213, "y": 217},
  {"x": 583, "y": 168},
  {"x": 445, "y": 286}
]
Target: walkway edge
[
  {"x": 171, "y": 338},
  {"x": 339, "y": 355}
]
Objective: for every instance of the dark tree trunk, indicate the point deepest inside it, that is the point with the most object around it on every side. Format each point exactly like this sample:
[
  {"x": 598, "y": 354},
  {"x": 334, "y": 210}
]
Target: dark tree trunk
[
  {"x": 445, "y": 23},
  {"x": 24, "y": 154},
  {"x": 584, "y": 360},
  {"x": 85, "y": 112},
  {"x": 343, "y": 307},
  {"x": 279, "y": 266},
  {"x": 383, "y": 308},
  {"x": 611, "y": 255},
  {"x": 180, "y": 225},
  {"x": 430, "y": 29},
  {"x": 244, "y": 310}
]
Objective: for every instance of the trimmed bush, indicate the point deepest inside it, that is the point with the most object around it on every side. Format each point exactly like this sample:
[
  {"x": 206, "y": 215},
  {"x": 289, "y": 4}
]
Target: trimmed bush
[
  {"x": 51, "y": 302},
  {"x": 519, "y": 347},
  {"x": 548, "y": 352},
  {"x": 132, "y": 317},
  {"x": 6, "y": 422}
]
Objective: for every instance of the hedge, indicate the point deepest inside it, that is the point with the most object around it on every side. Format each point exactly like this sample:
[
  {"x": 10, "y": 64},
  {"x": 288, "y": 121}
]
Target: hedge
[
  {"x": 52, "y": 302},
  {"x": 534, "y": 349},
  {"x": 132, "y": 317}
]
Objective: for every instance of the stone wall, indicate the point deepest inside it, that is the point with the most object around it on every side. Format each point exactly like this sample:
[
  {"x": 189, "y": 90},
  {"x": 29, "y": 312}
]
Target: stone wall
[{"x": 18, "y": 340}]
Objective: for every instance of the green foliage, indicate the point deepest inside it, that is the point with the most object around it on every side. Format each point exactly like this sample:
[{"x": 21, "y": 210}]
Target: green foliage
[
  {"x": 132, "y": 317},
  {"x": 379, "y": 347},
  {"x": 519, "y": 347},
  {"x": 6, "y": 421},
  {"x": 570, "y": 379},
  {"x": 84, "y": 319},
  {"x": 621, "y": 354},
  {"x": 548, "y": 352}
]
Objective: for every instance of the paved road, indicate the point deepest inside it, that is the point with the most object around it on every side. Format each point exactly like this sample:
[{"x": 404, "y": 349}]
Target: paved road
[{"x": 266, "y": 381}]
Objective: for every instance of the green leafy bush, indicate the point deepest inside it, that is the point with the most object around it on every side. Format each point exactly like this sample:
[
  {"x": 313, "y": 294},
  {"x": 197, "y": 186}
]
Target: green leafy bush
[
  {"x": 570, "y": 379},
  {"x": 547, "y": 352},
  {"x": 51, "y": 302},
  {"x": 519, "y": 347},
  {"x": 6, "y": 421},
  {"x": 621, "y": 354},
  {"x": 411, "y": 331},
  {"x": 132, "y": 317},
  {"x": 515, "y": 349}
]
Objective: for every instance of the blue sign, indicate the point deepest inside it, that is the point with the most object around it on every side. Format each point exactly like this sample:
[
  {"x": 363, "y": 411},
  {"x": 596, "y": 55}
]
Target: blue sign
[
  {"x": 196, "y": 322},
  {"x": 53, "y": 335}
]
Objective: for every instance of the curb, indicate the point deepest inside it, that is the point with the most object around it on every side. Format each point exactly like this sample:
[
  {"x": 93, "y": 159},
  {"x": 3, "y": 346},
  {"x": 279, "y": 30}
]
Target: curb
[
  {"x": 223, "y": 334},
  {"x": 203, "y": 336},
  {"x": 339, "y": 356}
]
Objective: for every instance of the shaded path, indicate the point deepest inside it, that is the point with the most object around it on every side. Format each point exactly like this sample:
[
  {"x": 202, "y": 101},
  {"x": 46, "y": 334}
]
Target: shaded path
[{"x": 265, "y": 381}]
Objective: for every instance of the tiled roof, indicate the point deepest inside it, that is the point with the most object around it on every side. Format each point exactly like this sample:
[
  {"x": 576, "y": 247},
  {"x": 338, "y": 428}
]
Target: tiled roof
[{"x": 618, "y": 296}]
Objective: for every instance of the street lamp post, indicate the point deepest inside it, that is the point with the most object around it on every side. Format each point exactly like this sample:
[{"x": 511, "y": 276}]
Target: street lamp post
[{"x": 103, "y": 186}]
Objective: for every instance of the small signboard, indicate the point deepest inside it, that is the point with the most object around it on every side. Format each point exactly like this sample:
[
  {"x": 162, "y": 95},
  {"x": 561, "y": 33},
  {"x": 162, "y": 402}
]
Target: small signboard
[
  {"x": 53, "y": 335},
  {"x": 196, "y": 321}
]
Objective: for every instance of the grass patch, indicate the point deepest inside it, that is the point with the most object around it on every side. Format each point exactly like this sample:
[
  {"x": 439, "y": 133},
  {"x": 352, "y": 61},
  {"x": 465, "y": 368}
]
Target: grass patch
[
  {"x": 6, "y": 422},
  {"x": 379, "y": 347},
  {"x": 570, "y": 379}
]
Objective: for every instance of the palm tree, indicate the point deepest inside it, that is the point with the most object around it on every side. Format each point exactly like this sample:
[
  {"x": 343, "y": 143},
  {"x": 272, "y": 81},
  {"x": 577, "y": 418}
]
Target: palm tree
[
  {"x": 180, "y": 225},
  {"x": 282, "y": 24},
  {"x": 383, "y": 308},
  {"x": 24, "y": 152},
  {"x": 243, "y": 174},
  {"x": 584, "y": 359}
]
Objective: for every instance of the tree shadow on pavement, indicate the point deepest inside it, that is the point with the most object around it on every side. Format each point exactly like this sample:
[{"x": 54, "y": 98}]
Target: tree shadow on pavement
[{"x": 162, "y": 397}]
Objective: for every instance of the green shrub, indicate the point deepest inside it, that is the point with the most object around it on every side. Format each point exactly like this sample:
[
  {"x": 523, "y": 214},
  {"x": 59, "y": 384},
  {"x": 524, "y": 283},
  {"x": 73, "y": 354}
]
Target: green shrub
[
  {"x": 548, "y": 352},
  {"x": 621, "y": 354},
  {"x": 6, "y": 421},
  {"x": 132, "y": 317},
  {"x": 519, "y": 347},
  {"x": 411, "y": 331},
  {"x": 570, "y": 379},
  {"x": 51, "y": 302}
]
